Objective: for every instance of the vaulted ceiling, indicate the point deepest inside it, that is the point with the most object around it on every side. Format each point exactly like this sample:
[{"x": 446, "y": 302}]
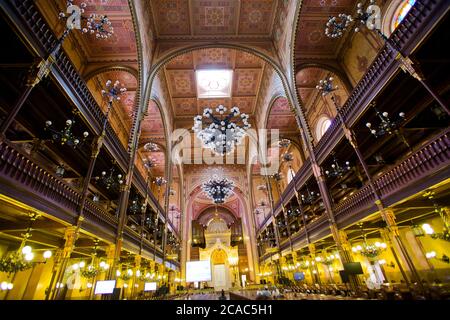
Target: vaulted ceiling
[
  {"x": 182, "y": 83},
  {"x": 181, "y": 21}
]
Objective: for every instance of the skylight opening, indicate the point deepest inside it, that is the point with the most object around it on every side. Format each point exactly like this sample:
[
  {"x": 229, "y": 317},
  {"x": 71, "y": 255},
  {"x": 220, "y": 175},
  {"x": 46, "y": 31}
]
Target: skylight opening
[{"x": 214, "y": 83}]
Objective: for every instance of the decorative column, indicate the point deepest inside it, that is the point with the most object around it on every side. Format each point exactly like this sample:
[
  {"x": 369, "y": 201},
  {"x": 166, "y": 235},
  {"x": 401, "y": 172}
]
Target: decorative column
[
  {"x": 318, "y": 175},
  {"x": 346, "y": 257},
  {"x": 272, "y": 205},
  {"x": 70, "y": 236},
  {"x": 167, "y": 197},
  {"x": 313, "y": 266},
  {"x": 278, "y": 177},
  {"x": 56, "y": 266},
  {"x": 392, "y": 228},
  {"x": 387, "y": 238},
  {"x": 136, "y": 274},
  {"x": 110, "y": 252}
]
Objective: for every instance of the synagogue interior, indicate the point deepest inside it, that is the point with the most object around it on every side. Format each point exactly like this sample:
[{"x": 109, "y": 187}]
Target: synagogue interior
[{"x": 224, "y": 149}]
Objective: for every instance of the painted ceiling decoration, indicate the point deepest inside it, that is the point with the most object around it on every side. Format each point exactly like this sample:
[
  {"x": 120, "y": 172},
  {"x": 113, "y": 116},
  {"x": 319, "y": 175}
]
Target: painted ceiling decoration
[
  {"x": 311, "y": 40},
  {"x": 209, "y": 19},
  {"x": 183, "y": 86}
]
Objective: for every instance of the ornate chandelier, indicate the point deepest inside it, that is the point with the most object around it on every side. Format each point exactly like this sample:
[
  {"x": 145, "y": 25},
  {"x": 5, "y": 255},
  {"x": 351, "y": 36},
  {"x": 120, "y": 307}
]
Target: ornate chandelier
[
  {"x": 22, "y": 259},
  {"x": 66, "y": 135},
  {"x": 96, "y": 24},
  {"x": 370, "y": 250},
  {"x": 110, "y": 180},
  {"x": 310, "y": 196},
  {"x": 337, "y": 170},
  {"x": 221, "y": 133},
  {"x": 337, "y": 25},
  {"x": 151, "y": 146},
  {"x": 136, "y": 206},
  {"x": 218, "y": 189},
  {"x": 387, "y": 125}
]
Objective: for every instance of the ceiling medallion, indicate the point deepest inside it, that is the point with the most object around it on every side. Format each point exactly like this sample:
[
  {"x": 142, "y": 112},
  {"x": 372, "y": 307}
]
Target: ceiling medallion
[
  {"x": 221, "y": 133},
  {"x": 218, "y": 189}
]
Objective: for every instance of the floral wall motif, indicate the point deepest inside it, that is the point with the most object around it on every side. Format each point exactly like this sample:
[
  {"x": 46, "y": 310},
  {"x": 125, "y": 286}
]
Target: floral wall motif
[{"x": 359, "y": 55}]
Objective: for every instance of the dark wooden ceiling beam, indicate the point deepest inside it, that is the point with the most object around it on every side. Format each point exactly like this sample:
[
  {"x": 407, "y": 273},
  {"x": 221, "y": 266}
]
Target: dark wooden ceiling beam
[{"x": 13, "y": 226}]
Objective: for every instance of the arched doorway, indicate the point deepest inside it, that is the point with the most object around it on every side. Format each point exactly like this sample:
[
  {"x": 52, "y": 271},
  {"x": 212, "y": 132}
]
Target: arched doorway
[{"x": 220, "y": 270}]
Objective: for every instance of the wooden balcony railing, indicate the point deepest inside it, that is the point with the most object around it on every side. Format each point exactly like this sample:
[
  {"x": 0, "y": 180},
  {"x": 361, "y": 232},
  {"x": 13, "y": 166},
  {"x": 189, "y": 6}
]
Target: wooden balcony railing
[
  {"x": 428, "y": 160},
  {"x": 45, "y": 40},
  {"x": 432, "y": 158},
  {"x": 30, "y": 180},
  {"x": 416, "y": 24},
  {"x": 412, "y": 30}
]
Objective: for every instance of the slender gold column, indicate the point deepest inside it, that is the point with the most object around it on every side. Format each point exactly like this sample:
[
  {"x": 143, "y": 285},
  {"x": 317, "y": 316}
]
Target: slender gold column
[
  {"x": 392, "y": 229},
  {"x": 346, "y": 250},
  {"x": 137, "y": 266},
  {"x": 313, "y": 266},
  {"x": 70, "y": 236}
]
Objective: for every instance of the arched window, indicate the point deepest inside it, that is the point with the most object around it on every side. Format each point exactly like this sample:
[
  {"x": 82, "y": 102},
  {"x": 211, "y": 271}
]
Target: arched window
[
  {"x": 290, "y": 175},
  {"x": 401, "y": 12},
  {"x": 322, "y": 126}
]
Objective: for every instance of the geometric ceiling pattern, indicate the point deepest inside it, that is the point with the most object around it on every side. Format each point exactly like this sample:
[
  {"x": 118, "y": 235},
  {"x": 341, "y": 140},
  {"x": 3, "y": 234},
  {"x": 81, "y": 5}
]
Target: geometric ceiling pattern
[
  {"x": 311, "y": 40},
  {"x": 122, "y": 45},
  {"x": 182, "y": 83},
  {"x": 200, "y": 19}
]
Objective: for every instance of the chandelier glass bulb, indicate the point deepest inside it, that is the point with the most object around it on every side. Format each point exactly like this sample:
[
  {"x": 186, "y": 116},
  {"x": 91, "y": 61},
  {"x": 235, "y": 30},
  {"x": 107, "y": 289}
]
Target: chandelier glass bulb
[
  {"x": 221, "y": 133},
  {"x": 151, "y": 146},
  {"x": 326, "y": 86},
  {"x": 218, "y": 189},
  {"x": 113, "y": 91},
  {"x": 160, "y": 181},
  {"x": 100, "y": 25}
]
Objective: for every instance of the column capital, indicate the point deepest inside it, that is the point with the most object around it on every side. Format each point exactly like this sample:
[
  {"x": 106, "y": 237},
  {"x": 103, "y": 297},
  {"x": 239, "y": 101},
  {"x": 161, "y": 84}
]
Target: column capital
[
  {"x": 408, "y": 66},
  {"x": 39, "y": 71},
  {"x": 110, "y": 249},
  {"x": 389, "y": 217},
  {"x": 312, "y": 249},
  {"x": 350, "y": 136},
  {"x": 70, "y": 236},
  {"x": 137, "y": 260}
]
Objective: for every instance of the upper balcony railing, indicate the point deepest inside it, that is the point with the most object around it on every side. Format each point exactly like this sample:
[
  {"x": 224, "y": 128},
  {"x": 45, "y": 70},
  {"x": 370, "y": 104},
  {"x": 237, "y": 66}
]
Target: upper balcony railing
[
  {"x": 18, "y": 170},
  {"x": 406, "y": 36},
  {"x": 397, "y": 183},
  {"x": 45, "y": 40},
  {"x": 416, "y": 24}
]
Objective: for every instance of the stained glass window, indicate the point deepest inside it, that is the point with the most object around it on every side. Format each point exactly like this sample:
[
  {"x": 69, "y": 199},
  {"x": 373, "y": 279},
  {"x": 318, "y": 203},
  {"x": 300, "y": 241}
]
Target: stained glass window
[{"x": 403, "y": 11}]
